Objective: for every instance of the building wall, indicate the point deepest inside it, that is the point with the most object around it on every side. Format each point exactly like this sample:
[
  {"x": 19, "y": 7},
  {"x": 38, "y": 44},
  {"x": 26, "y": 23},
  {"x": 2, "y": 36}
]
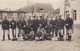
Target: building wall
[
  {"x": 74, "y": 5},
  {"x": 62, "y": 8}
]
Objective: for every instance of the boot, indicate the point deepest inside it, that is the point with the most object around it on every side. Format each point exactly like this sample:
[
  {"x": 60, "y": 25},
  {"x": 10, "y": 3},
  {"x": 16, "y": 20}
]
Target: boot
[
  {"x": 69, "y": 37},
  {"x": 60, "y": 37},
  {"x": 3, "y": 38},
  {"x": 18, "y": 34},
  {"x": 14, "y": 38},
  {"x": 9, "y": 37}
]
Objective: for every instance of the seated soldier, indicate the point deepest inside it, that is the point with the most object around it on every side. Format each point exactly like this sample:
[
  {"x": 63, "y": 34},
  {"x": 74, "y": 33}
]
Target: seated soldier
[
  {"x": 31, "y": 37},
  {"x": 39, "y": 33}
]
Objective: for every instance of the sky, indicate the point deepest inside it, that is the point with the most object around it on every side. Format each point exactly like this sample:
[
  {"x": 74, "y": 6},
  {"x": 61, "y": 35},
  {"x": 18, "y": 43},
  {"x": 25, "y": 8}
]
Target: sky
[{"x": 16, "y": 4}]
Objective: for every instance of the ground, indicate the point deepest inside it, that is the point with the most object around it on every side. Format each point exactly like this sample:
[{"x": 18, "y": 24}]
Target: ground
[{"x": 53, "y": 45}]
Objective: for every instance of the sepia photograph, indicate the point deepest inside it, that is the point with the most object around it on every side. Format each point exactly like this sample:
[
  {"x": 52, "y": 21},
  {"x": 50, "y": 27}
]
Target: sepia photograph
[{"x": 39, "y": 25}]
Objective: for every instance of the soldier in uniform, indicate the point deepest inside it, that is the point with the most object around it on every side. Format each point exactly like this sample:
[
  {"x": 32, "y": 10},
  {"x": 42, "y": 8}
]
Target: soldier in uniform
[
  {"x": 42, "y": 22},
  {"x": 56, "y": 26},
  {"x": 29, "y": 21},
  {"x": 69, "y": 27},
  {"x": 60, "y": 28},
  {"x": 35, "y": 25},
  {"x": 21, "y": 24},
  {"x": 48, "y": 29},
  {"x": 52, "y": 23},
  {"x": 27, "y": 29},
  {"x": 40, "y": 33},
  {"x": 13, "y": 28},
  {"x": 5, "y": 28}
]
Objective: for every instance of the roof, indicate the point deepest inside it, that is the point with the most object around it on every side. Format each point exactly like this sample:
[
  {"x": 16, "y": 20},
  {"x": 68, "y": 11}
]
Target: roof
[
  {"x": 57, "y": 11},
  {"x": 1, "y": 11},
  {"x": 38, "y": 7}
]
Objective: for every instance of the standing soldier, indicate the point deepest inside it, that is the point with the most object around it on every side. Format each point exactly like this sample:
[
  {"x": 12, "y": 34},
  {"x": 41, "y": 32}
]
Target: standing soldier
[
  {"x": 29, "y": 21},
  {"x": 52, "y": 23},
  {"x": 5, "y": 27},
  {"x": 69, "y": 27},
  {"x": 13, "y": 28},
  {"x": 60, "y": 28},
  {"x": 21, "y": 24},
  {"x": 35, "y": 25},
  {"x": 56, "y": 26}
]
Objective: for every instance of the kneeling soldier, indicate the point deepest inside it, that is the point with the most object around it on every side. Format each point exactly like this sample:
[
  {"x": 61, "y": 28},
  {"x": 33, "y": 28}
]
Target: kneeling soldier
[
  {"x": 13, "y": 28},
  {"x": 39, "y": 33},
  {"x": 69, "y": 26},
  {"x": 5, "y": 27}
]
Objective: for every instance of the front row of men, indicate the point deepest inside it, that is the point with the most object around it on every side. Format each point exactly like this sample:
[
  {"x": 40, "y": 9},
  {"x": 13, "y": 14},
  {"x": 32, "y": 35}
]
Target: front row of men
[{"x": 38, "y": 29}]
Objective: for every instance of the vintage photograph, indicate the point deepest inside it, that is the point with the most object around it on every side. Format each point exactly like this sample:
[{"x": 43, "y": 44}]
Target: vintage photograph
[{"x": 39, "y": 25}]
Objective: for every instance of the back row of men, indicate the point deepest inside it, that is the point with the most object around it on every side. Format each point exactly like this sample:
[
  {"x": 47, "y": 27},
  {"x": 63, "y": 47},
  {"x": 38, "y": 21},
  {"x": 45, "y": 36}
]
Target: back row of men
[{"x": 38, "y": 29}]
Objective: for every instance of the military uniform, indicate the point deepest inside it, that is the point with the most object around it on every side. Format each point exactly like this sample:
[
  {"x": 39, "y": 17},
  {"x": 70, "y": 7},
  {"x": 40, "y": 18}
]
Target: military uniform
[
  {"x": 40, "y": 33},
  {"x": 34, "y": 26},
  {"x": 27, "y": 29},
  {"x": 13, "y": 28},
  {"x": 48, "y": 29},
  {"x": 56, "y": 27},
  {"x": 21, "y": 24},
  {"x": 52, "y": 23},
  {"x": 5, "y": 27},
  {"x": 69, "y": 27},
  {"x": 29, "y": 22},
  {"x": 43, "y": 23},
  {"x": 61, "y": 28}
]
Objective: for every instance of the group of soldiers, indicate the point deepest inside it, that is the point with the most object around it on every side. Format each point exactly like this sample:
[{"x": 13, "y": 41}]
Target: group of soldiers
[{"x": 38, "y": 29}]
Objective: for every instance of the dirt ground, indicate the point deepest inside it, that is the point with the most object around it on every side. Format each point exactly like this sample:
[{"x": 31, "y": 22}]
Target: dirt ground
[{"x": 53, "y": 45}]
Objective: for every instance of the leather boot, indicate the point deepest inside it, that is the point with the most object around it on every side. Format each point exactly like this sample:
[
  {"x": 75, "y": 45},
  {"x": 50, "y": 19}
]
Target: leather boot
[
  {"x": 9, "y": 37},
  {"x": 3, "y": 38}
]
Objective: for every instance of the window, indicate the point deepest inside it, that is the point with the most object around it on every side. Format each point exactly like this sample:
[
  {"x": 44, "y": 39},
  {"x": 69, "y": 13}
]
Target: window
[{"x": 74, "y": 14}]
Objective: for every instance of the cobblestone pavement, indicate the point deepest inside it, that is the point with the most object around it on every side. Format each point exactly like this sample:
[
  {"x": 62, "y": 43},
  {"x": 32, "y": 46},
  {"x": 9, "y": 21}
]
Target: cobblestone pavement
[{"x": 53, "y": 45}]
